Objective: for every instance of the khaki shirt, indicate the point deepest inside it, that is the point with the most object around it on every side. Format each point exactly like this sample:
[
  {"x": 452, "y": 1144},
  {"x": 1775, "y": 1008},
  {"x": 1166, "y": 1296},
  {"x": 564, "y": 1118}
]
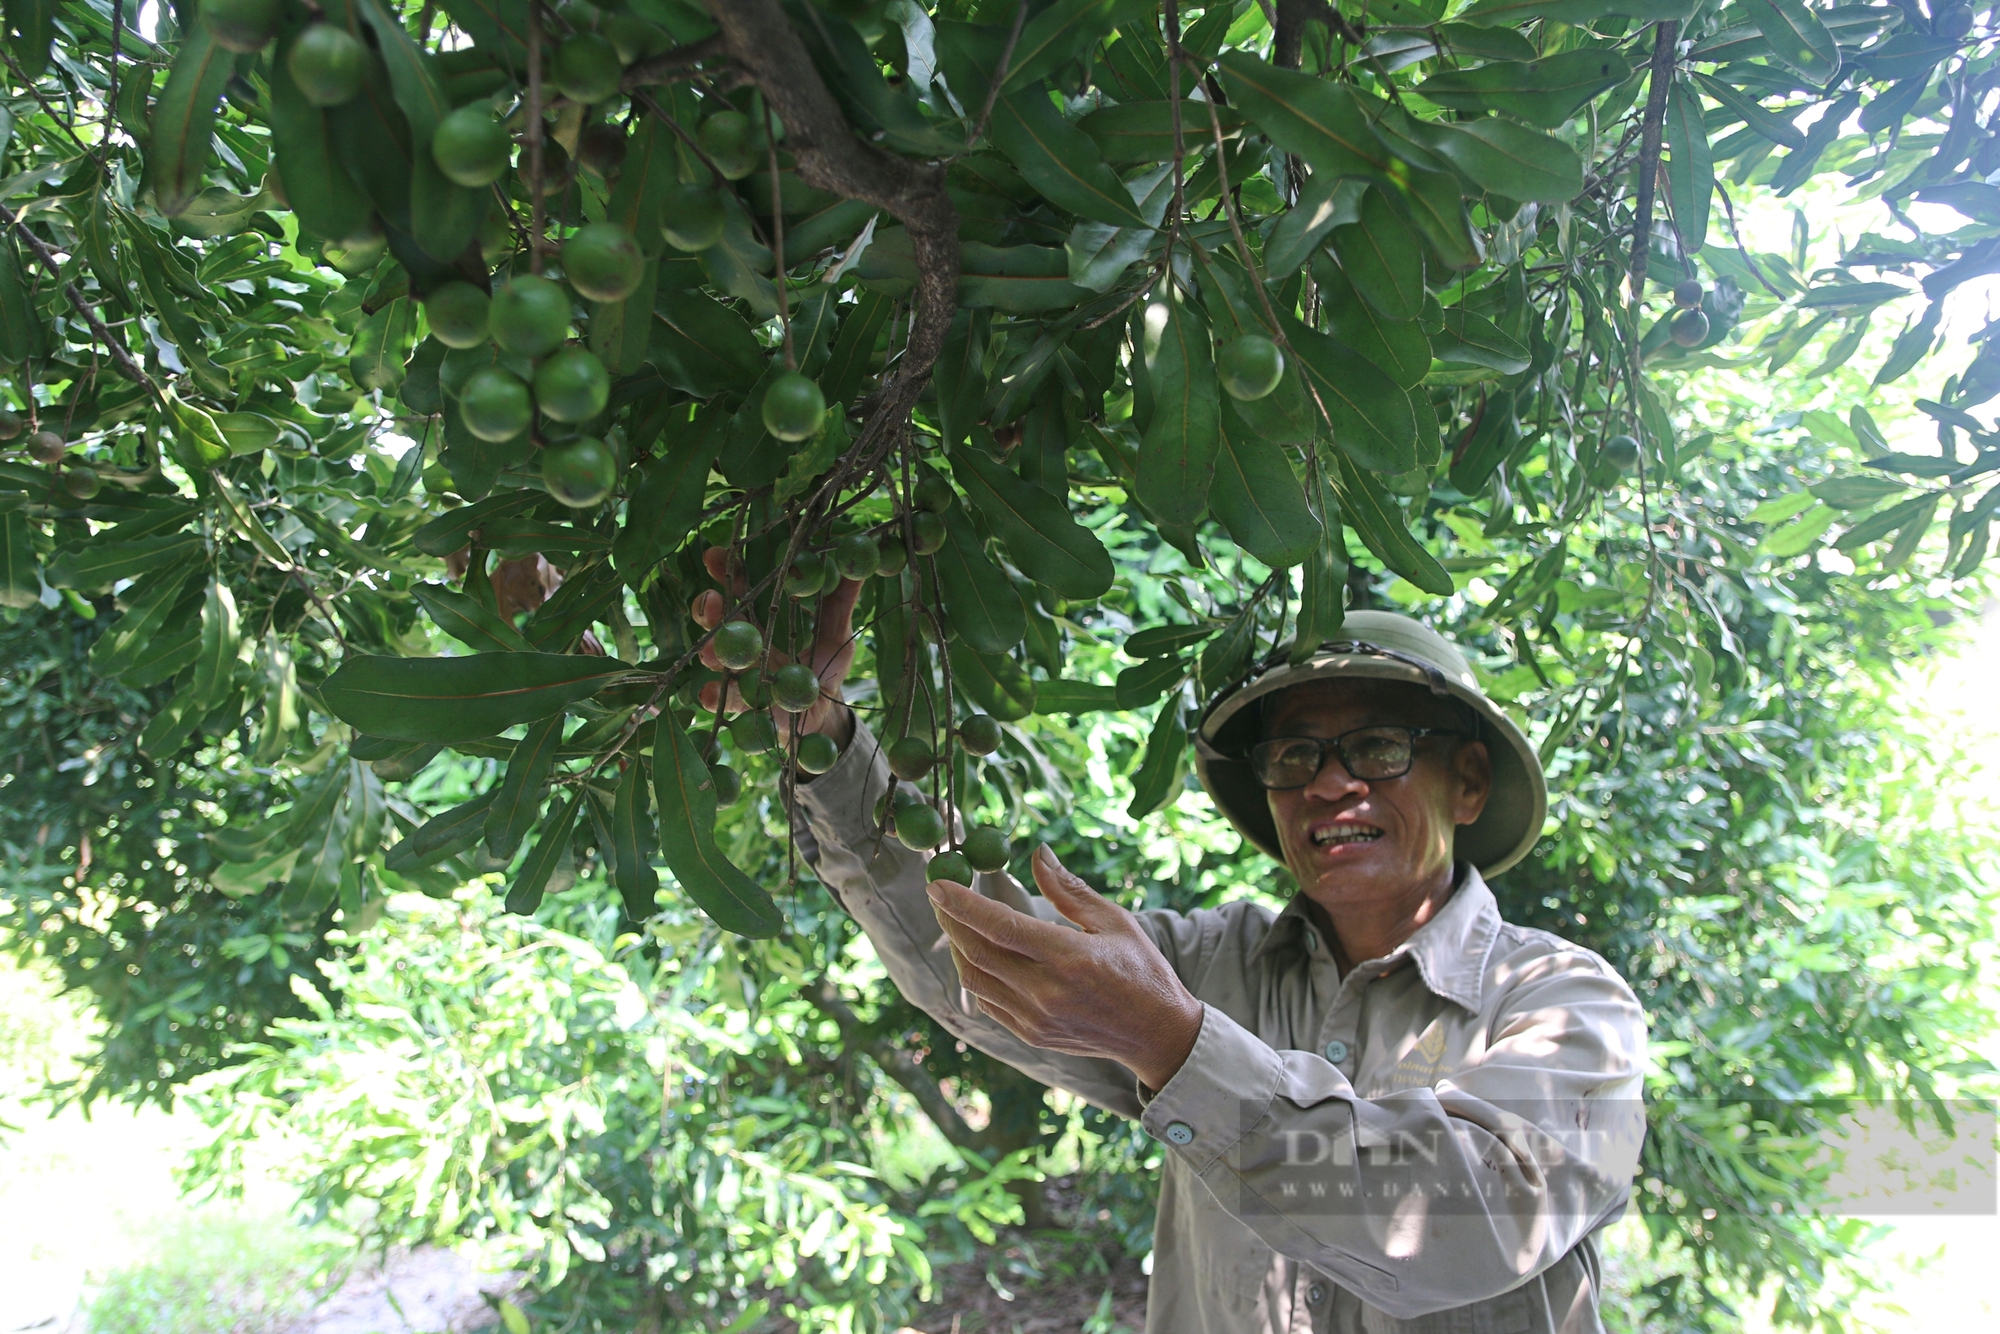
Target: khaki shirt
[{"x": 1428, "y": 1144}]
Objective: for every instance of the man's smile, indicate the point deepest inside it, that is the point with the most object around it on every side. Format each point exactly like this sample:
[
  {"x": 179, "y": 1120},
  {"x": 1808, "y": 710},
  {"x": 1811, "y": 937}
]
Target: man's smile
[{"x": 1338, "y": 833}]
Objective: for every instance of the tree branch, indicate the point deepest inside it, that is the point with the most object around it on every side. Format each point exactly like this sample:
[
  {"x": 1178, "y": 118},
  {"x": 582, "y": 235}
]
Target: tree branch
[
  {"x": 1288, "y": 42},
  {"x": 668, "y": 65},
  {"x": 899, "y": 1066},
  {"x": 119, "y": 356},
  {"x": 1665, "y": 36}
]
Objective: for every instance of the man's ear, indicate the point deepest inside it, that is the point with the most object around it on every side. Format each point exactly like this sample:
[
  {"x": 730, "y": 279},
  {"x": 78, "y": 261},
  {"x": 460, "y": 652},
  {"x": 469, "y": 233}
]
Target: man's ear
[{"x": 1472, "y": 766}]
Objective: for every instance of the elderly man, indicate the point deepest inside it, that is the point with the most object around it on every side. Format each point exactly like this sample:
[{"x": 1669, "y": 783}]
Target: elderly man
[{"x": 1384, "y": 1108}]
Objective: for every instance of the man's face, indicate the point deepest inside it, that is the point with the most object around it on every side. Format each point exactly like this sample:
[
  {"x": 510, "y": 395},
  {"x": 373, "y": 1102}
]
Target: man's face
[{"x": 1352, "y": 842}]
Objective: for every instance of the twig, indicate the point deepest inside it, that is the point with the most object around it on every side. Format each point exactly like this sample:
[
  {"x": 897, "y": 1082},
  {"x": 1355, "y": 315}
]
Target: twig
[
  {"x": 119, "y": 355},
  {"x": 535, "y": 132},
  {"x": 1737, "y": 236},
  {"x": 999, "y": 76},
  {"x": 666, "y": 66},
  {"x": 111, "y": 99},
  {"x": 54, "y": 115},
  {"x": 778, "y": 238},
  {"x": 1174, "y": 57},
  {"x": 1666, "y": 34}
]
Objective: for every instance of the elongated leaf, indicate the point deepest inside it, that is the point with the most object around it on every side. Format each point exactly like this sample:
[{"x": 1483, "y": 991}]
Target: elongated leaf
[
  {"x": 1778, "y": 129},
  {"x": 1382, "y": 258},
  {"x": 221, "y": 636},
  {"x": 532, "y": 880},
  {"x": 469, "y": 621},
  {"x": 324, "y": 197},
  {"x": 667, "y": 500},
  {"x": 20, "y": 326},
  {"x": 1319, "y": 121},
  {"x": 1327, "y": 202},
  {"x": 1473, "y": 340},
  {"x": 1507, "y": 13},
  {"x": 1322, "y": 583},
  {"x": 1434, "y": 204},
  {"x": 1050, "y": 546},
  {"x": 1506, "y": 158},
  {"x": 1060, "y": 160},
  {"x": 324, "y": 821},
  {"x": 1177, "y": 449},
  {"x": 443, "y": 216},
  {"x": 1160, "y": 770},
  {"x": 633, "y": 842},
  {"x": 1136, "y": 687},
  {"x": 1690, "y": 173},
  {"x": 979, "y": 600},
  {"x": 1398, "y": 348},
  {"x": 1375, "y": 516},
  {"x": 1161, "y": 640},
  {"x": 1056, "y": 35},
  {"x": 20, "y": 588},
  {"x": 147, "y": 603},
  {"x": 704, "y": 347},
  {"x": 846, "y": 368},
  {"x": 1542, "y": 92},
  {"x": 1800, "y": 535},
  {"x": 1367, "y": 413},
  {"x": 993, "y": 681},
  {"x": 685, "y": 793},
  {"x": 961, "y": 377},
  {"x": 454, "y": 529},
  {"x": 518, "y": 798},
  {"x": 460, "y": 699},
  {"x": 1144, "y": 131},
  {"x": 177, "y": 152},
  {"x": 1884, "y": 522},
  {"x": 98, "y": 564},
  {"x": 1796, "y": 37},
  {"x": 448, "y": 833},
  {"x": 1258, "y": 499}
]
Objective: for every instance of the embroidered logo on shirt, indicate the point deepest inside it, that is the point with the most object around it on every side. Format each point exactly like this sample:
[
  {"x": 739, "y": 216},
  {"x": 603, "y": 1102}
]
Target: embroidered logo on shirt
[{"x": 1419, "y": 1066}]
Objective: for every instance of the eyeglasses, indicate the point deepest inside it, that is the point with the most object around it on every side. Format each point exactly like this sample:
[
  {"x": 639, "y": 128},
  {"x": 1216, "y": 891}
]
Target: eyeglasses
[{"x": 1371, "y": 754}]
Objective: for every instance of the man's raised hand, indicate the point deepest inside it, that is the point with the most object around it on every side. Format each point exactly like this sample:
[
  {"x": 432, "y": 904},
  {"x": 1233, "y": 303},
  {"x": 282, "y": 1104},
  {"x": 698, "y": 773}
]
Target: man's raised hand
[{"x": 831, "y": 656}]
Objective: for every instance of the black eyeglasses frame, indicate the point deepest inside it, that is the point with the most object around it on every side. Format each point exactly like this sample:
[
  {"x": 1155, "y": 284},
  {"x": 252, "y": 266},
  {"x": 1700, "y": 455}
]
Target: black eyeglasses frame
[{"x": 1337, "y": 745}]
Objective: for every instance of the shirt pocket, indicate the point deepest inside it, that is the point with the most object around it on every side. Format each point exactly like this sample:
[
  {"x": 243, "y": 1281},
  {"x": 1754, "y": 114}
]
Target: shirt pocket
[{"x": 1509, "y": 1313}]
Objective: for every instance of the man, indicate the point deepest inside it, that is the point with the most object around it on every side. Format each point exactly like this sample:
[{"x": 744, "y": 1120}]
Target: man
[{"x": 1384, "y": 1108}]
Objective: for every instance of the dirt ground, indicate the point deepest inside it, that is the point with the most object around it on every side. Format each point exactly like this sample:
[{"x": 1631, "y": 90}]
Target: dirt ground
[{"x": 969, "y": 1303}]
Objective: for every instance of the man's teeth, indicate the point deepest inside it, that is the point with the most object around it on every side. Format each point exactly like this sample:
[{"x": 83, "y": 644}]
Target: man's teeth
[{"x": 1352, "y": 834}]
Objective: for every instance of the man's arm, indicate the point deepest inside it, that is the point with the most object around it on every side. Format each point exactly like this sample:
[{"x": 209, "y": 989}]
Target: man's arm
[{"x": 882, "y": 885}]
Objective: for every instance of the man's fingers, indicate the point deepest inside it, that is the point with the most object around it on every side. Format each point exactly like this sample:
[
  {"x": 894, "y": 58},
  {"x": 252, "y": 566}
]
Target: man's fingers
[
  {"x": 1071, "y": 896},
  {"x": 981, "y": 949},
  {"x": 996, "y": 922}
]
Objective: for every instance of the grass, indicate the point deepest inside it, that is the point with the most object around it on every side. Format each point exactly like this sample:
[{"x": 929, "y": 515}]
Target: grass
[{"x": 215, "y": 1274}]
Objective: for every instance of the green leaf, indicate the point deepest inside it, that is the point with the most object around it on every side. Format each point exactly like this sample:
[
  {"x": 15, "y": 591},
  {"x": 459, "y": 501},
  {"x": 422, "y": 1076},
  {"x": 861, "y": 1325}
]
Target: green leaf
[
  {"x": 1326, "y": 202},
  {"x": 633, "y": 841},
  {"x": 1778, "y": 129},
  {"x": 1434, "y": 204},
  {"x": 1072, "y": 697},
  {"x": 1134, "y": 132},
  {"x": 1160, "y": 770},
  {"x": 1798, "y": 536},
  {"x": 469, "y": 621},
  {"x": 450, "y": 700},
  {"x": 1060, "y": 160},
  {"x": 1322, "y": 583},
  {"x": 444, "y": 216},
  {"x": 1911, "y": 345},
  {"x": 1542, "y": 92},
  {"x": 221, "y": 636},
  {"x": 961, "y": 377},
  {"x": 1055, "y": 36},
  {"x": 1374, "y": 515},
  {"x": 1508, "y": 13},
  {"x": 1796, "y": 37},
  {"x": 518, "y": 798},
  {"x": 325, "y": 197},
  {"x": 20, "y": 588},
  {"x": 198, "y": 441},
  {"x": 1099, "y": 253},
  {"x": 667, "y": 500},
  {"x": 1853, "y": 493},
  {"x": 1227, "y": 656},
  {"x": 1050, "y": 546},
  {"x": 1398, "y": 348},
  {"x": 649, "y": 170},
  {"x": 99, "y": 563},
  {"x": 177, "y": 151},
  {"x": 147, "y": 603},
  {"x": 381, "y": 345},
  {"x": 1177, "y": 449},
  {"x": 447, "y": 834},
  {"x": 1258, "y": 498},
  {"x": 1160, "y": 640},
  {"x": 1319, "y": 121},
  {"x": 993, "y": 681},
  {"x": 846, "y": 369},
  {"x": 20, "y": 324},
  {"x": 1139, "y": 686},
  {"x": 1505, "y": 158},
  {"x": 684, "y": 790},
  {"x": 1367, "y": 413},
  {"x": 703, "y": 347},
  {"x": 321, "y": 826},
  {"x": 1473, "y": 340},
  {"x": 979, "y": 601},
  {"x": 532, "y": 880},
  {"x": 1690, "y": 173},
  {"x": 1884, "y": 522},
  {"x": 452, "y": 530},
  {"x": 1382, "y": 258}
]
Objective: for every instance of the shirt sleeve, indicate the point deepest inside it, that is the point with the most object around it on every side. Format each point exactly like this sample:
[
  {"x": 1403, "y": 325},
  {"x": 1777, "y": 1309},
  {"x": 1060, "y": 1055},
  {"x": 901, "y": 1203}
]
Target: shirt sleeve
[
  {"x": 1428, "y": 1198},
  {"x": 881, "y": 884}
]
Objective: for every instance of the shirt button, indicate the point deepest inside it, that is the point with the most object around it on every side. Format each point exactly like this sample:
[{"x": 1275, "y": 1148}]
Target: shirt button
[
  {"x": 1180, "y": 1132},
  {"x": 1336, "y": 1051},
  {"x": 1312, "y": 942},
  {"x": 1315, "y": 1294}
]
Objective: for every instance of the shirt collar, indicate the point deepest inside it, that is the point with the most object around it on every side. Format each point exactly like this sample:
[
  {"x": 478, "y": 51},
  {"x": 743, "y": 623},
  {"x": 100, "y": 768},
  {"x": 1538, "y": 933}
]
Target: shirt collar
[{"x": 1450, "y": 950}]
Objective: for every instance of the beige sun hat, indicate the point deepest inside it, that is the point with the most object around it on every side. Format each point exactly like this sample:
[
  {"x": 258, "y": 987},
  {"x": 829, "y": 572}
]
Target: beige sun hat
[{"x": 1384, "y": 646}]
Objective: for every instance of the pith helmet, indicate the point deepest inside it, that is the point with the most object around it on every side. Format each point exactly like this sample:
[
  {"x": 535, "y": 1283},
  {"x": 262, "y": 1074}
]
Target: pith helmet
[{"x": 1384, "y": 646}]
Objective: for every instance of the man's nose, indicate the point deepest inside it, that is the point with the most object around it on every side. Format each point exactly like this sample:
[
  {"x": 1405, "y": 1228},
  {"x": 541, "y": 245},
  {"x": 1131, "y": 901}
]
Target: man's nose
[{"x": 1333, "y": 782}]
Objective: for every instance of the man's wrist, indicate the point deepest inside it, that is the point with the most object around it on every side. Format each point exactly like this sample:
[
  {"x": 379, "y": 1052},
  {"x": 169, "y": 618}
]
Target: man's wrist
[{"x": 1170, "y": 1047}]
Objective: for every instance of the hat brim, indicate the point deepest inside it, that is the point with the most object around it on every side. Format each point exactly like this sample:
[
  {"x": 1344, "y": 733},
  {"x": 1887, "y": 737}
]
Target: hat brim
[{"x": 1502, "y": 835}]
